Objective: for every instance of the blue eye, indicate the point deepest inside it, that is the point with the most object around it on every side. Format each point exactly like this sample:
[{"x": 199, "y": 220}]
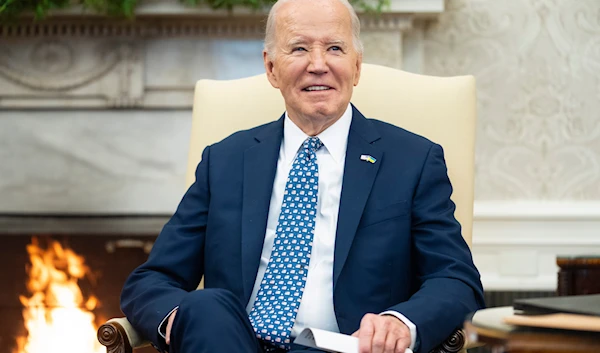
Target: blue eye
[
  {"x": 298, "y": 49},
  {"x": 336, "y": 48}
]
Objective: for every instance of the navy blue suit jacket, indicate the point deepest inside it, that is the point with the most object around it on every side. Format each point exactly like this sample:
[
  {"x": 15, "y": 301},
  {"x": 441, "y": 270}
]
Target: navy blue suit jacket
[{"x": 398, "y": 245}]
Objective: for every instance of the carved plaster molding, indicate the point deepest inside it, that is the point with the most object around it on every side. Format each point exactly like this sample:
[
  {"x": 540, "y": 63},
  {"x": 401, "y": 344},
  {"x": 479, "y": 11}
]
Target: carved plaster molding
[
  {"x": 75, "y": 72},
  {"x": 50, "y": 66},
  {"x": 173, "y": 27},
  {"x": 401, "y": 23},
  {"x": 168, "y": 27},
  {"x": 172, "y": 18},
  {"x": 77, "y": 59}
]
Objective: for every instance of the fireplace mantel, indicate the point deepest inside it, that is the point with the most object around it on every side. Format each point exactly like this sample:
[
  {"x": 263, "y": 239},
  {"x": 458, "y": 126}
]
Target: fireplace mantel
[
  {"x": 76, "y": 59},
  {"x": 421, "y": 8},
  {"x": 96, "y": 112}
]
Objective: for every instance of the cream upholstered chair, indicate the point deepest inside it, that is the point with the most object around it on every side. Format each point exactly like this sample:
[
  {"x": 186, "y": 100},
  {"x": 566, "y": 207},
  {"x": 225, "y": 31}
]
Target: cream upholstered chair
[{"x": 441, "y": 109}]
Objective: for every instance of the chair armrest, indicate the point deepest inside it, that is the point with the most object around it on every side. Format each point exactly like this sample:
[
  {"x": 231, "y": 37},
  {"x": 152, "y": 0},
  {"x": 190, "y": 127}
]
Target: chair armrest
[
  {"x": 456, "y": 342},
  {"x": 118, "y": 336}
]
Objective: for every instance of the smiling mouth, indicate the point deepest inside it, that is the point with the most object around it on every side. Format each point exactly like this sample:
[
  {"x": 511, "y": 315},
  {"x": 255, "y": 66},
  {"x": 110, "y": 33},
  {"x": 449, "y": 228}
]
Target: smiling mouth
[{"x": 316, "y": 88}]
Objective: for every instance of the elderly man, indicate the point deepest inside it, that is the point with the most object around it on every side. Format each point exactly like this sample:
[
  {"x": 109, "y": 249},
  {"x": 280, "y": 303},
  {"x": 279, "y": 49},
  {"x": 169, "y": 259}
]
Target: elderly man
[{"x": 321, "y": 219}]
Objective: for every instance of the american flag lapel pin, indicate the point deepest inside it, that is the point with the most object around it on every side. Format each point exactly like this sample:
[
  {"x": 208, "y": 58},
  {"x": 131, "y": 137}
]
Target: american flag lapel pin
[{"x": 367, "y": 158}]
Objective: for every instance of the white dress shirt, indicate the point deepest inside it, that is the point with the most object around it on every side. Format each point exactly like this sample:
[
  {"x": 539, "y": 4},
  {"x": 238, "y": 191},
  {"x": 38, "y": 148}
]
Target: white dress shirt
[{"x": 316, "y": 307}]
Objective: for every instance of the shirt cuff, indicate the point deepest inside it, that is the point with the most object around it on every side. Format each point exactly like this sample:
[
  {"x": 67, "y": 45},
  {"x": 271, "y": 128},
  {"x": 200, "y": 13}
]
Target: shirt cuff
[
  {"x": 162, "y": 328},
  {"x": 411, "y": 327}
]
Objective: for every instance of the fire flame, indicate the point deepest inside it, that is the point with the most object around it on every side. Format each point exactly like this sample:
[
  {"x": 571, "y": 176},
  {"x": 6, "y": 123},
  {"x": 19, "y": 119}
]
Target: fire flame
[{"x": 57, "y": 317}]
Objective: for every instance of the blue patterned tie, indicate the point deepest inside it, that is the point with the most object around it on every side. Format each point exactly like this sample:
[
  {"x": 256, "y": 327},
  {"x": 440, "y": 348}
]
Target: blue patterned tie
[{"x": 280, "y": 292}]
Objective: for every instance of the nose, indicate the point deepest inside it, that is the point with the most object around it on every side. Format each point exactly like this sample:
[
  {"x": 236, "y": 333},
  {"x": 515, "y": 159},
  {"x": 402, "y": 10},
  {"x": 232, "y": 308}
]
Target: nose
[{"x": 318, "y": 62}]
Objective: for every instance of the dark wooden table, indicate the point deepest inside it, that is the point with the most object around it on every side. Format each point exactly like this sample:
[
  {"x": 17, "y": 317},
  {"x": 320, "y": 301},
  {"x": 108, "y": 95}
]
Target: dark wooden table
[
  {"x": 487, "y": 327},
  {"x": 578, "y": 275}
]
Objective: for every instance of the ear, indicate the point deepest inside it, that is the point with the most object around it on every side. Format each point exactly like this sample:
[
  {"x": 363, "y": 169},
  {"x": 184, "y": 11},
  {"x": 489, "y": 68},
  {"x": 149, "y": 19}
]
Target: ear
[
  {"x": 269, "y": 68},
  {"x": 358, "y": 68}
]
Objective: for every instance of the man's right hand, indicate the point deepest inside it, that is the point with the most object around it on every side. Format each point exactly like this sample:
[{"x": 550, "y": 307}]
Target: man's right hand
[{"x": 169, "y": 326}]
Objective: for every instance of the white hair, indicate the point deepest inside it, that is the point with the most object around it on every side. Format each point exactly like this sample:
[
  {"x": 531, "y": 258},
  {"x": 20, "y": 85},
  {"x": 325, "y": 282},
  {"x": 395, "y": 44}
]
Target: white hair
[{"x": 269, "y": 45}]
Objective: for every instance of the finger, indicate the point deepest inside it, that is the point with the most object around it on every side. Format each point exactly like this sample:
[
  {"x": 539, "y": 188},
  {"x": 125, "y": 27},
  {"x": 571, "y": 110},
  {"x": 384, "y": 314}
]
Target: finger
[
  {"x": 356, "y": 333},
  {"x": 365, "y": 334},
  {"x": 382, "y": 328},
  {"x": 392, "y": 343},
  {"x": 402, "y": 344},
  {"x": 169, "y": 327},
  {"x": 402, "y": 336},
  {"x": 401, "y": 348}
]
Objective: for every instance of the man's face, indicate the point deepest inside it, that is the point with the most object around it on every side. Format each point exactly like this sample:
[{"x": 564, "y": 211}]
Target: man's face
[{"x": 316, "y": 65}]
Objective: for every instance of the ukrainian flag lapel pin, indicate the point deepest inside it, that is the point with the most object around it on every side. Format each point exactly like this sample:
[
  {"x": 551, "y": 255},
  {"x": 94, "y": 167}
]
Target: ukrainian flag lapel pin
[{"x": 367, "y": 158}]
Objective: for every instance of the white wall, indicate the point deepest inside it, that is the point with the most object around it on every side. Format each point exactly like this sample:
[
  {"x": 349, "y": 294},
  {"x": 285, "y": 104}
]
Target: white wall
[{"x": 537, "y": 191}]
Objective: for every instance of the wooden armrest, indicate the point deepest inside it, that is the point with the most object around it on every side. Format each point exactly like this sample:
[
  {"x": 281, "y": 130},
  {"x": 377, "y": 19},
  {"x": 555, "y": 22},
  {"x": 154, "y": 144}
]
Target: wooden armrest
[
  {"x": 456, "y": 342},
  {"x": 118, "y": 336}
]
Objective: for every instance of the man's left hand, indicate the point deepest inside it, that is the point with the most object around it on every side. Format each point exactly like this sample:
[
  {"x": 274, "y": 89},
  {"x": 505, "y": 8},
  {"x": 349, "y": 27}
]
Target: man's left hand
[{"x": 382, "y": 334}]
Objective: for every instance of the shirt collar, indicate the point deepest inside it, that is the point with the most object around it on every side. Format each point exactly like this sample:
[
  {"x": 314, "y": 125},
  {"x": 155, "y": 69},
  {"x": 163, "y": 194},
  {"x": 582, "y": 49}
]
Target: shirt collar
[{"x": 334, "y": 138}]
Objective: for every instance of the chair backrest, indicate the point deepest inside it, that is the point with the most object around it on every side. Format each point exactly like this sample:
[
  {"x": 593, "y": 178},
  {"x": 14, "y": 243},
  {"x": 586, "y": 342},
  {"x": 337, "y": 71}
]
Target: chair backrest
[{"x": 441, "y": 109}]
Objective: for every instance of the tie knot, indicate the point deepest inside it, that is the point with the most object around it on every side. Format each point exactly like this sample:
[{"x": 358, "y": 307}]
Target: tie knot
[{"x": 312, "y": 144}]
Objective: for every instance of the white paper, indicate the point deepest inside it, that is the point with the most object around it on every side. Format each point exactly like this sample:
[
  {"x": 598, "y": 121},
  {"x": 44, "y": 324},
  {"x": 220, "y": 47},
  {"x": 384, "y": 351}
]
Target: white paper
[{"x": 329, "y": 341}]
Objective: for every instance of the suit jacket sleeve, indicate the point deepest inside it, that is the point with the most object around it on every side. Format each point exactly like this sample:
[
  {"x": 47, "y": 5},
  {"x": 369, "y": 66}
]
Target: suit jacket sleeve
[
  {"x": 159, "y": 285},
  {"x": 448, "y": 282}
]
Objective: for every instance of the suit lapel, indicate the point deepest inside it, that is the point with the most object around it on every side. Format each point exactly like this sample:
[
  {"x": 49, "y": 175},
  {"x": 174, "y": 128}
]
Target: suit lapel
[
  {"x": 359, "y": 176},
  {"x": 260, "y": 164}
]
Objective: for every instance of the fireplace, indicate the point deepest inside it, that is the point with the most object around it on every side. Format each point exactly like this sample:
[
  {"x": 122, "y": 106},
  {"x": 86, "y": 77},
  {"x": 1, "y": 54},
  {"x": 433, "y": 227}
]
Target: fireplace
[{"x": 111, "y": 248}]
